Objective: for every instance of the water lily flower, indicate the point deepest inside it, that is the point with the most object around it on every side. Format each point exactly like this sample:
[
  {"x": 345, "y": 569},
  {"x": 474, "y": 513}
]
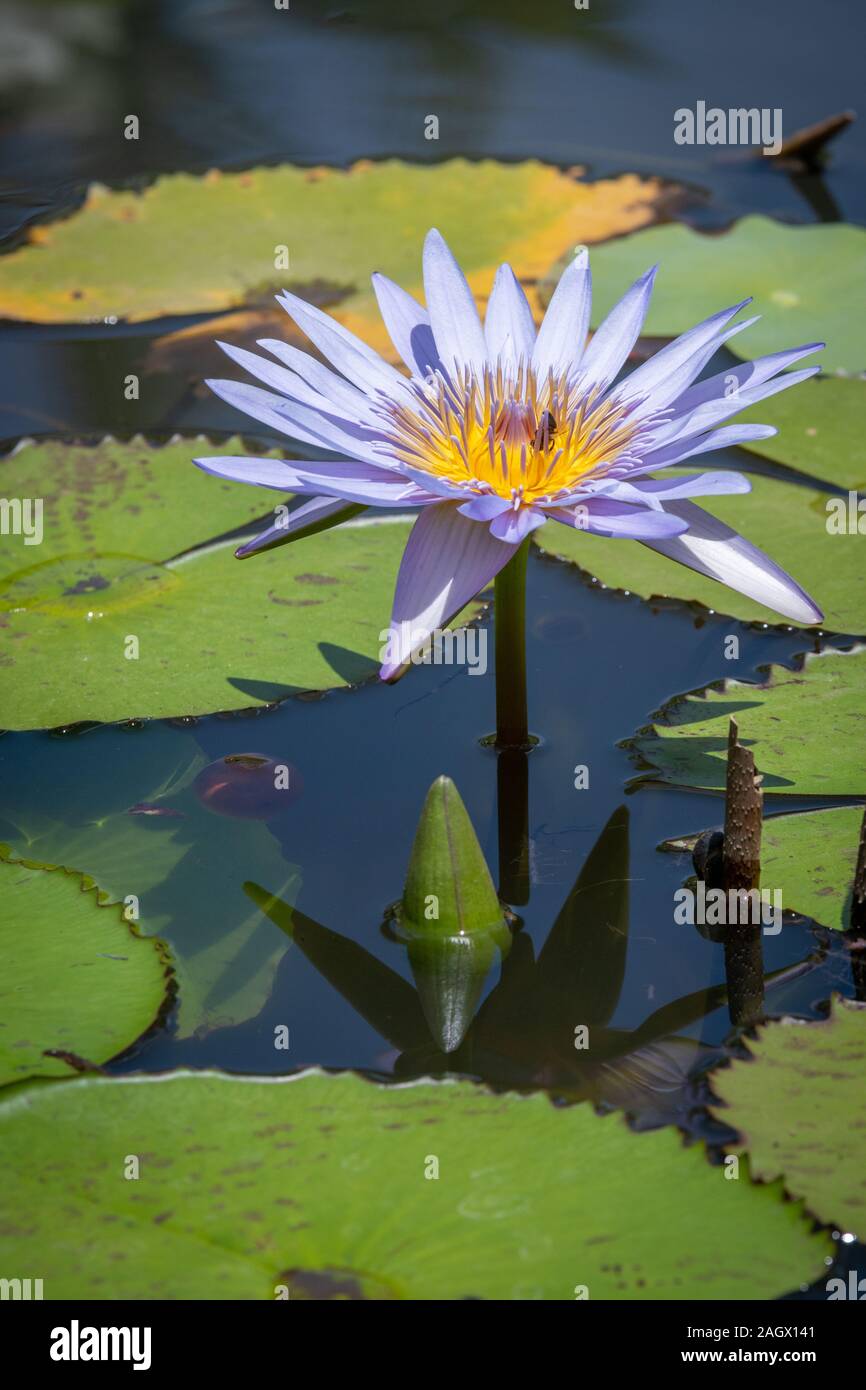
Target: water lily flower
[{"x": 498, "y": 429}]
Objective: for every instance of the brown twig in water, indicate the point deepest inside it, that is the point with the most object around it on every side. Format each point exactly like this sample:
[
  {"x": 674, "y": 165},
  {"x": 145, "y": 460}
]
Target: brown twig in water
[
  {"x": 744, "y": 806},
  {"x": 806, "y": 148},
  {"x": 741, "y": 871}
]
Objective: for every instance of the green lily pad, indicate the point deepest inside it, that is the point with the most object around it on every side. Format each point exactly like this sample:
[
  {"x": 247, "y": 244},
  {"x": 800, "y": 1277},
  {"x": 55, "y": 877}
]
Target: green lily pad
[
  {"x": 810, "y": 856},
  {"x": 139, "y": 255},
  {"x": 79, "y": 983},
  {"x": 807, "y": 282},
  {"x": 125, "y": 499},
  {"x": 319, "y": 1187},
  {"x": 797, "y": 1107},
  {"x": 821, "y": 433},
  {"x": 806, "y": 729},
  {"x": 117, "y": 563}
]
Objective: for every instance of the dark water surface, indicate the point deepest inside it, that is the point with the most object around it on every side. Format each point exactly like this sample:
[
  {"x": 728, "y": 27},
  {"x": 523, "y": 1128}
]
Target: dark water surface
[
  {"x": 235, "y": 84},
  {"x": 600, "y": 663}
]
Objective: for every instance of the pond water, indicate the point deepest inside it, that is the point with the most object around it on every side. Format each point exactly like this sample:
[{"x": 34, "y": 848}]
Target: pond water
[{"x": 218, "y": 84}]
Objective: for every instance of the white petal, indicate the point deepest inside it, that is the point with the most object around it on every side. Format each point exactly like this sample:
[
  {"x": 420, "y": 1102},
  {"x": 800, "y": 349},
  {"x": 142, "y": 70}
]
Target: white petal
[
  {"x": 562, "y": 335},
  {"x": 345, "y": 397},
  {"x": 408, "y": 326},
  {"x": 348, "y": 353},
  {"x": 615, "y": 337},
  {"x": 299, "y": 421},
  {"x": 714, "y": 549},
  {"x": 293, "y": 386},
  {"x": 508, "y": 325},
  {"x": 448, "y": 560},
  {"x": 653, "y": 374},
  {"x": 453, "y": 315}
]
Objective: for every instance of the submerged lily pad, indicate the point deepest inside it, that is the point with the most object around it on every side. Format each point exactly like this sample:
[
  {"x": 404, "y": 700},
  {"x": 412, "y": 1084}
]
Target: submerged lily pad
[
  {"x": 142, "y": 625},
  {"x": 822, "y": 435},
  {"x": 807, "y": 730},
  {"x": 190, "y": 245},
  {"x": 808, "y": 283},
  {"x": 79, "y": 984},
  {"x": 800, "y": 1107},
  {"x": 182, "y": 866},
  {"x": 319, "y": 1187}
]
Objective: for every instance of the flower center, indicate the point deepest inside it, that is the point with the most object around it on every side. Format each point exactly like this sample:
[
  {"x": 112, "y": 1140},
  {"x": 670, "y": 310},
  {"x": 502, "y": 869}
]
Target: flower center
[{"x": 521, "y": 437}]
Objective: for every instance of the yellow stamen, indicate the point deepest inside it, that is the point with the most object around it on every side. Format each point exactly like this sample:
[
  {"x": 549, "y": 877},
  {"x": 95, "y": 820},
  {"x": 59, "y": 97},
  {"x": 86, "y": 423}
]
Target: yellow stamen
[{"x": 509, "y": 433}]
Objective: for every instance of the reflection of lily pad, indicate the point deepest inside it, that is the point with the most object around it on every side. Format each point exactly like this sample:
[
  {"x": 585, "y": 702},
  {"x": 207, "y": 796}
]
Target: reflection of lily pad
[
  {"x": 322, "y": 1187},
  {"x": 807, "y": 730},
  {"x": 799, "y": 1107},
  {"x": 807, "y": 282},
  {"x": 189, "y": 245},
  {"x": 77, "y": 978},
  {"x": 212, "y": 632},
  {"x": 822, "y": 433}
]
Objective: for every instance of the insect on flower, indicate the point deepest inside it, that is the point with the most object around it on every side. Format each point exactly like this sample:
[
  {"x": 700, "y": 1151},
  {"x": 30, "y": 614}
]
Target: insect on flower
[{"x": 499, "y": 428}]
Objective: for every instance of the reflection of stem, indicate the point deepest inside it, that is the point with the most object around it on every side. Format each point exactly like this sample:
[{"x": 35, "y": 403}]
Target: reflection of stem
[
  {"x": 744, "y": 973},
  {"x": 857, "y": 957},
  {"x": 510, "y": 619},
  {"x": 512, "y": 800}
]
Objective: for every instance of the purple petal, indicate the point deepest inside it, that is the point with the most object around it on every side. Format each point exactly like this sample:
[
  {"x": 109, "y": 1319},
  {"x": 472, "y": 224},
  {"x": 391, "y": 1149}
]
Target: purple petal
[
  {"x": 408, "y": 326},
  {"x": 615, "y": 337},
  {"x": 319, "y": 514},
  {"x": 654, "y": 373},
  {"x": 273, "y": 473},
  {"x": 509, "y": 327},
  {"x": 432, "y": 485},
  {"x": 292, "y": 385},
  {"x": 713, "y": 412},
  {"x": 747, "y": 375},
  {"x": 562, "y": 335},
  {"x": 682, "y": 376},
  {"x": 485, "y": 507},
  {"x": 453, "y": 315},
  {"x": 722, "y": 483},
  {"x": 714, "y": 549},
  {"x": 603, "y": 516},
  {"x": 342, "y": 396},
  {"x": 724, "y": 438},
  {"x": 448, "y": 560},
  {"x": 299, "y": 421},
  {"x": 344, "y": 478},
  {"x": 348, "y": 353},
  {"x": 513, "y": 526}
]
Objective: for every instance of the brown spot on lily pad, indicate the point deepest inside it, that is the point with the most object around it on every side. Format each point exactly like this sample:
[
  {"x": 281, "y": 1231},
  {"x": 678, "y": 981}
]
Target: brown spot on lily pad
[{"x": 325, "y": 1285}]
